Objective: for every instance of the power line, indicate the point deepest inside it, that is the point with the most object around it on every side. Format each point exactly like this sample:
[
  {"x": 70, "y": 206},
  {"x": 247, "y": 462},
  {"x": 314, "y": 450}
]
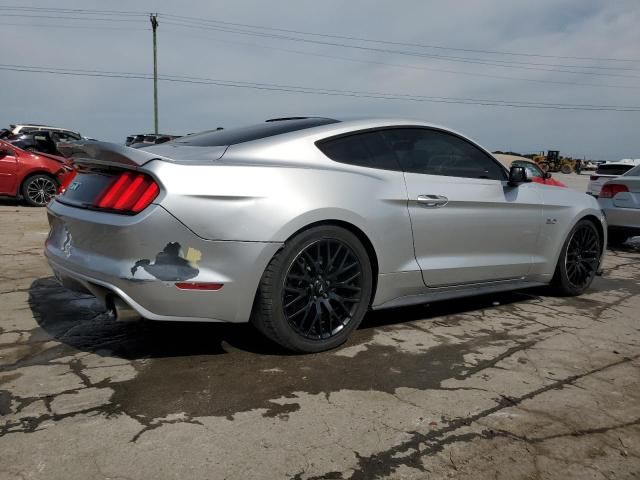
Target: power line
[
  {"x": 317, "y": 34},
  {"x": 350, "y": 59},
  {"x": 92, "y": 27},
  {"x": 79, "y": 11},
  {"x": 494, "y": 63},
  {"x": 317, "y": 91},
  {"x": 405, "y": 44},
  {"x": 412, "y": 67},
  {"x": 59, "y": 17}
]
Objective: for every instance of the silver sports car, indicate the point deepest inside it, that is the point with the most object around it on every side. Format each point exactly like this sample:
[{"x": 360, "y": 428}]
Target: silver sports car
[{"x": 301, "y": 225}]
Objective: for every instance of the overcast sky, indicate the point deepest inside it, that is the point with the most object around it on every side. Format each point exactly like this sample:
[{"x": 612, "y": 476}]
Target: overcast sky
[{"x": 111, "y": 108}]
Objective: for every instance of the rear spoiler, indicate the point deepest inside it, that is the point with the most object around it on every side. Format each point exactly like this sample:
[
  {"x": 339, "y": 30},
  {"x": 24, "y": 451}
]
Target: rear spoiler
[{"x": 105, "y": 153}]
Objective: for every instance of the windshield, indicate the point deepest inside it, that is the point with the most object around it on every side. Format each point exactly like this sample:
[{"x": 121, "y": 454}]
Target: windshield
[{"x": 613, "y": 169}]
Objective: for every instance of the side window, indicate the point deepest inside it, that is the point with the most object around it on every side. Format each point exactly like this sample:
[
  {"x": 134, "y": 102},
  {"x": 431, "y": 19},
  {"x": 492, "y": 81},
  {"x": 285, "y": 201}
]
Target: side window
[
  {"x": 434, "y": 152},
  {"x": 366, "y": 149}
]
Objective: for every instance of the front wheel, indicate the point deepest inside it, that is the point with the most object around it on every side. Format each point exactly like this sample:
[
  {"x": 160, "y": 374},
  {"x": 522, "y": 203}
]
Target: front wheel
[
  {"x": 315, "y": 291},
  {"x": 579, "y": 260},
  {"x": 39, "y": 189}
]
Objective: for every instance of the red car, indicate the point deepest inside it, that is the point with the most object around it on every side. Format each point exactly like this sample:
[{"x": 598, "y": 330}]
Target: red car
[
  {"x": 534, "y": 171},
  {"x": 33, "y": 177}
]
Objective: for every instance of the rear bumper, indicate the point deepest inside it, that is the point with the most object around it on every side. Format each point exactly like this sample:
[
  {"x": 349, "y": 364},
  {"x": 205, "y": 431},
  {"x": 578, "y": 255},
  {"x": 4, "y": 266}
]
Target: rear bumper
[
  {"x": 620, "y": 218},
  {"x": 140, "y": 258}
]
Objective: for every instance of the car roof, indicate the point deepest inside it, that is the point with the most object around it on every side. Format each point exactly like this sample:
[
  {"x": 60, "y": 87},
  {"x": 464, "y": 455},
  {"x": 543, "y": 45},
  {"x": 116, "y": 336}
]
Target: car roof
[
  {"x": 275, "y": 142},
  {"x": 337, "y": 126}
]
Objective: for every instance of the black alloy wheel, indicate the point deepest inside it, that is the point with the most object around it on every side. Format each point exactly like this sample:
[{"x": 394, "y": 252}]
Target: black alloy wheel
[
  {"x": 39, "y": 190},
  {"x": 583, "y": 256},
  {"x": 579, "y": 259},
  {"x": 315, "y": 291},
  {"x": 322, "y": 289}
]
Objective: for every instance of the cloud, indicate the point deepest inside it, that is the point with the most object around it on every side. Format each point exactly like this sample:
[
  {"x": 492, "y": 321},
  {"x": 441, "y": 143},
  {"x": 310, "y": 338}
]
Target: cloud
[{"x": 112, "y": 108}]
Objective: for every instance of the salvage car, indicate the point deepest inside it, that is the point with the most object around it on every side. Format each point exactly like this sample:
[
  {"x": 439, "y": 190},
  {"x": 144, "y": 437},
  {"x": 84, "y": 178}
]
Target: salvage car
[
  {"x": 620, "y": 202},
  {"x": 34, "y": 178},
  {"x": 302, "y": 225},
  {"x": 42, "y": 141}
]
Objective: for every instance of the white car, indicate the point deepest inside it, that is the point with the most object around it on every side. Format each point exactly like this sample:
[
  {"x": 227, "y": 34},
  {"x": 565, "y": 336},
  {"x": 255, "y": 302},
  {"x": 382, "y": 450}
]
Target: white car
[
  {"x": 31, "y": 127},
  {"x": 620, "y": 202},
  {"x": 605, "y": 172}
]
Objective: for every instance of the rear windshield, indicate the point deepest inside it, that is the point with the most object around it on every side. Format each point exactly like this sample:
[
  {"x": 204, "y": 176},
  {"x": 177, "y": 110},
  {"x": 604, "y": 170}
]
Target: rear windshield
[
  {"x": 613, "y": 169},
  {"x": 219, "y": 138},
  {"x": 634, "y": 172}
]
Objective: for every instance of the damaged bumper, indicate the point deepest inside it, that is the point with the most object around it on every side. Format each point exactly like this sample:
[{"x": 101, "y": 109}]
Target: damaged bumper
[{"x": 140, "y": 258}]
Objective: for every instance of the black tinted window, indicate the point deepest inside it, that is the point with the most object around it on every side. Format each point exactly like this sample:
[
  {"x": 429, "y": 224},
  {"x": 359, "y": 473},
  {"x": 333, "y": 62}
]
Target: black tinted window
[
  {"x": 367, "y": 149},
  {"x": 219, "y": 138},
  {"x": 434, "y": 152},
  {"x": 608, "y": 169}
]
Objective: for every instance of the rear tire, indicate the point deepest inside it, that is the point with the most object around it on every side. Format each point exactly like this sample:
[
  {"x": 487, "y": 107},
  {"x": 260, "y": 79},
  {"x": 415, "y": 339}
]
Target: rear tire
[
  {"x": 579, "y": 260},
  {"x": 315, "y": 290},
  {"x": 37, "y": 190}
]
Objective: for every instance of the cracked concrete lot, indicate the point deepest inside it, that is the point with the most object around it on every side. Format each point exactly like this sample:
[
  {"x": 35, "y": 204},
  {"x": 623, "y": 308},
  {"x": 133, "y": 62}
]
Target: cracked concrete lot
[{"x": 509, "y": 386}]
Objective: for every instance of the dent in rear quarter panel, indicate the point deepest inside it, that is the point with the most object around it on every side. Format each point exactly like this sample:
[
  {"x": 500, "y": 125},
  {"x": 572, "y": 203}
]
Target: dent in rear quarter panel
[
  {"x": 144, "y": 255},
  {"x": 237, "y": 199},
  {"x": 562, "y": 209}
]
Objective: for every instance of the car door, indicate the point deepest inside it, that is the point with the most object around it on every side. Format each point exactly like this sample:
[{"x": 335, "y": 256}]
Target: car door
[
  {"x": 469, "y": 226},
  {"x": 8, "y": 170}
]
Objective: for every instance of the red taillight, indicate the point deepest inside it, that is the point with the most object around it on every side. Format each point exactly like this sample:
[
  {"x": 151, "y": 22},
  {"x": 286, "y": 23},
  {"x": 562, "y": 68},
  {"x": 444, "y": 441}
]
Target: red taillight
[
  {"x": 67, "y": 181},
  {"x": 610, "y": 190},
  {"x": 129, "y": 192}
]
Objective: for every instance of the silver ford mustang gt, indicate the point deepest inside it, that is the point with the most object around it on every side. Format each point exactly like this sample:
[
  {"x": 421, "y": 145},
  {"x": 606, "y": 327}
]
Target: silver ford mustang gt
[{"x": 301, "y": 225}]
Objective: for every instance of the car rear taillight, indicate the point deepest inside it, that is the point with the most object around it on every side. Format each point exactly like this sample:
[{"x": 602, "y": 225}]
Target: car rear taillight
[
  {"x": 594, "y": 177},
  {"x": 67, "y": 181},
  {"x": 129, "y": 192},
  {"x": 610, "y": 190}
]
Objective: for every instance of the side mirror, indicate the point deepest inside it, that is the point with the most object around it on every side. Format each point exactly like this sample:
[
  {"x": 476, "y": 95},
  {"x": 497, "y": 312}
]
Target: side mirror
[
  {"x": 547, "y": 175},
  {"x": 518, "y": 175},
  {"x": 4, "y": 153}
]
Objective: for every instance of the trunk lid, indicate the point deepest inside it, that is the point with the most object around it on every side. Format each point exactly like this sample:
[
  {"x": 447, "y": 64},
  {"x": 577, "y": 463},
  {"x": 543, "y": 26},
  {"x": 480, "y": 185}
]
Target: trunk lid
[{"x": 99, "y": 163}]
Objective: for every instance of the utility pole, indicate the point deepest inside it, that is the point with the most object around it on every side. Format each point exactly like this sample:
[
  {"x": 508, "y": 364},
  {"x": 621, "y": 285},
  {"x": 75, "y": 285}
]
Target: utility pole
[{"x": 154, "y": 26}]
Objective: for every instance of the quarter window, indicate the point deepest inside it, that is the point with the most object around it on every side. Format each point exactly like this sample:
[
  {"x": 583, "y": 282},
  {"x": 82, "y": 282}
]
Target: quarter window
[
  {"x": 434, "y": 152},
  {"x": 366, "y": 149}
]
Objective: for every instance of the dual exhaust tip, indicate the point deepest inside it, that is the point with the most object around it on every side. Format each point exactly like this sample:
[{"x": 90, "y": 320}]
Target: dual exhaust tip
[{"x": 121, "y": 310}]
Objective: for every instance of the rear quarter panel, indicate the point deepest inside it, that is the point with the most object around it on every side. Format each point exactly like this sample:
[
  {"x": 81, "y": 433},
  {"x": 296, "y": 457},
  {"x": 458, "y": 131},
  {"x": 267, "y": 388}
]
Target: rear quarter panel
[{"x": 269, "y": 199}]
